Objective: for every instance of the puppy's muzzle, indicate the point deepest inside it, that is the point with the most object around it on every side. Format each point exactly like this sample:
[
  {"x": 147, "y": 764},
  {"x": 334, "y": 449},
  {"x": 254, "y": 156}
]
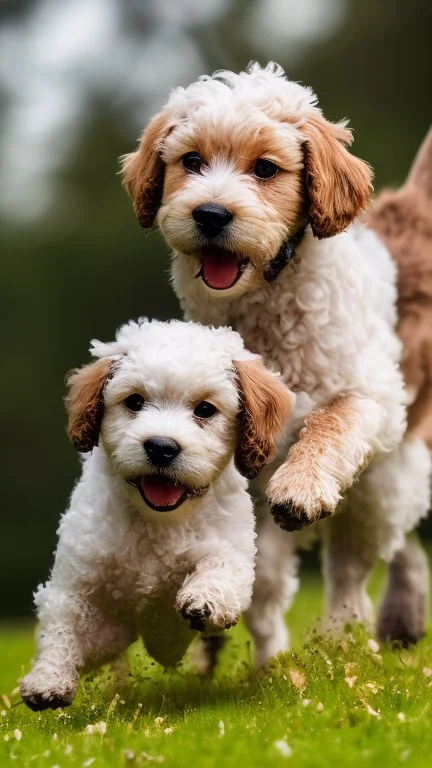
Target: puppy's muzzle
[
  {"x": 211, "y": 219},
  {"x": 161, "y": 450}
]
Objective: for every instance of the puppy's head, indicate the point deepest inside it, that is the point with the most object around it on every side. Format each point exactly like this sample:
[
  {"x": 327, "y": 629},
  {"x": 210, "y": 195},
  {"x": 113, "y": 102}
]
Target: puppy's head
[
  {"x": 172, "y": 403},
  {"x": 235, "y": 166}
]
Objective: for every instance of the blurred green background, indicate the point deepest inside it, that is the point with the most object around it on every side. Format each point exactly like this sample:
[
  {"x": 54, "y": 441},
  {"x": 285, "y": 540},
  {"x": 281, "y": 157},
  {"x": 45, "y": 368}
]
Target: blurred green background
[{"x": 78, "y": 81}]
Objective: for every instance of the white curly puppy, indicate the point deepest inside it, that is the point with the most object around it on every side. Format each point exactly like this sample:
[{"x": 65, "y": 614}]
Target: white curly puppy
[
  {"x": 158, "y": 540},
  {"x": 254, "y": 189}
]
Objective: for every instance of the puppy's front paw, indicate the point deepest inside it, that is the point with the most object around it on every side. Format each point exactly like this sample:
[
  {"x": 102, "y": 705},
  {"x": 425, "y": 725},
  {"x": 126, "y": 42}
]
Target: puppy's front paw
[
  {"x": 298, "y": 499},
  {"x": 207, "y": 612},
  {"x": 41, "y": 691}
]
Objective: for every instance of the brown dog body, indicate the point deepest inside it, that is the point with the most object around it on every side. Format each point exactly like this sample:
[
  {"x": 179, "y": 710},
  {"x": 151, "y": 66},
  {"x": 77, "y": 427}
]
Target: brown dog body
[{"x": 403, "y": 220}]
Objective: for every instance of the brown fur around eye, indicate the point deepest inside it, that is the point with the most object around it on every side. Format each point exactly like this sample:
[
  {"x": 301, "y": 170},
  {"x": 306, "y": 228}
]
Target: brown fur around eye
[{"x": 84, "y": 403}]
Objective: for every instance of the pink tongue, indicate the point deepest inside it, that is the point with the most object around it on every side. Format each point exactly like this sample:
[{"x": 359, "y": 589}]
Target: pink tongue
[
  {"x": 161, "y": 492},
  {"x": 220, "y": 268}
]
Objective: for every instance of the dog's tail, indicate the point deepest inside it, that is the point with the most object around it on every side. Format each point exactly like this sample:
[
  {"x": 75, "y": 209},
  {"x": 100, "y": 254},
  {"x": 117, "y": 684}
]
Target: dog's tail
[
  {"x": 402, "y": 219},
  {"x": 420, "y": 175}
]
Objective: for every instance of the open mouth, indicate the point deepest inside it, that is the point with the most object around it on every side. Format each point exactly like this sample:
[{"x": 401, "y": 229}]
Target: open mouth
[
  {"x": 220, "y": 269},
  {"x": 161, "y": 493}
]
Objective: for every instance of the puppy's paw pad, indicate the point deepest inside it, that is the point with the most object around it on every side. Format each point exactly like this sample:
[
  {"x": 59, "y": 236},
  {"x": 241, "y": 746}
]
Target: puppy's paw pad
[
  {"x": 207, "y": 614},
  {"x": 40, "y": 701},
  {"x": 292, "y": 517},
  {"x": 197, "y": 617},
  {"x": 39, "y": 697},
  {"x": 297, "y": 500},
  {"x": 47, "y": 699},
  {"x": 399, "y": 633}
]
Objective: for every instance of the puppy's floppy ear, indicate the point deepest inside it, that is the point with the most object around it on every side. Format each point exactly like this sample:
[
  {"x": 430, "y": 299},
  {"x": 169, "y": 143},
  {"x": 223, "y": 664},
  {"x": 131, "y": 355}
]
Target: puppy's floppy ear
[
  {"x": 144, "y": 170},
  {"x": 266, "y": 405},
  {"x": 338, "y": 184},
  {"x": 84, "y": 403}
]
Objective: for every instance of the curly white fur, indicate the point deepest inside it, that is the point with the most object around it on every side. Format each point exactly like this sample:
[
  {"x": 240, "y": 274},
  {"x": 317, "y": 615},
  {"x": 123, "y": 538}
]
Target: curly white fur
[
  {"x": 327, "y": 322},
  {"x": 123, "y": 569}
]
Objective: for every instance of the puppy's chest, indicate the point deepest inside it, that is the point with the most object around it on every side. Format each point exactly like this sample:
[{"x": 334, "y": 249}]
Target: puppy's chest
[
  {"x": 285, "y": 337},
  {"x": 141, "y": 572}
]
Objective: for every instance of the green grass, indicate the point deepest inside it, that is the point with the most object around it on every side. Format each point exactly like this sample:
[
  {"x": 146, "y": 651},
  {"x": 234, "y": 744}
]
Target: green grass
[{"x": 320, "y": 705}]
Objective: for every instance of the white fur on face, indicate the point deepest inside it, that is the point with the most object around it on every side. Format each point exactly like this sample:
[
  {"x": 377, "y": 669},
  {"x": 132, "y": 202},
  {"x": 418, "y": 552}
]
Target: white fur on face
[
  {"x": 255, "y": 234},
  {"x": 230, "y": 131},
  {"x": 121, "y": 568},
  {"x": 174, "y": 366}
]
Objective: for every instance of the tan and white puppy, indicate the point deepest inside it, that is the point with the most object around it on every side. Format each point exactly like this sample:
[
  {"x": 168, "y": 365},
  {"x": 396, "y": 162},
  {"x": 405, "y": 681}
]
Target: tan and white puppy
[
  {"x": 159, "y": 539},
  {"x": 254, "y": 190}
]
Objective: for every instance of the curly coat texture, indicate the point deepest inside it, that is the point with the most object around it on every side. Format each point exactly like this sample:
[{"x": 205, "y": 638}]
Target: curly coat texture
[
  {"x": 124, "y": 568},
  {"x": 327, "y": 322}
]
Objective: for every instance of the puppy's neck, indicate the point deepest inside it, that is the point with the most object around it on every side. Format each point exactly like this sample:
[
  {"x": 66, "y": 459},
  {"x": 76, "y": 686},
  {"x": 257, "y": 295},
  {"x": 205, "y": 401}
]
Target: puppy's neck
[
  {"x": 284, "y": 256},
  {"x": 203, "y": 306}
]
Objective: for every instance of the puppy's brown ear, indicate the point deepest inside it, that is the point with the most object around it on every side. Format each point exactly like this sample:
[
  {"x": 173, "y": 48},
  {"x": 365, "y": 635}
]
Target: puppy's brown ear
[
  {"x": 143, "y": 171},
  {"x": 84, "y": 403},
  {"x": 338, "y": 184},
  {"x": 266, "y": 407}
]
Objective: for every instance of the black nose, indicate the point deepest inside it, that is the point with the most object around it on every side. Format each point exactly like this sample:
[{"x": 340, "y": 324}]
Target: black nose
[
  {"x": 211, "y": 218},
  {"x": 161, "y": 450}
]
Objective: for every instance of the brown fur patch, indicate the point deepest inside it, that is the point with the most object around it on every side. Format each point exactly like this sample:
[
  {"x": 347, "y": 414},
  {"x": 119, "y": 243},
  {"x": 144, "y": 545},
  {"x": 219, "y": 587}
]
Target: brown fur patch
[
  {"x": 84, "y": 403},
  {"x": 297, "y": 489},
  {"x": 143, "y": 171},
  {"x": 230, "y": 137},
  {"x": 339, "y": 185},
  {"x": 264, "y": 212},
  {"x": 267, "y": 406},
  {"x": 415, "y": 330},
  {"x": 403, "y": 221},
  {"x": 242, "y": 146},
  {"x": 420, "y": 175}
]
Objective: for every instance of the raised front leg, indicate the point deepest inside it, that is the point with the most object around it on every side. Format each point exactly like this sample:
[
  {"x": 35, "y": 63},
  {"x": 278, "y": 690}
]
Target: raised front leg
[
  {"x": 334, "y": 445},
  {"x": 215, "y": 594},
  {"x": 74, "y": 637}
]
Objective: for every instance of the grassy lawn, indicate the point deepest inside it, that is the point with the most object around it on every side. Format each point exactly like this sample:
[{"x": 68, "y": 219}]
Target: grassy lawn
[{"x": 322, "y": 704}]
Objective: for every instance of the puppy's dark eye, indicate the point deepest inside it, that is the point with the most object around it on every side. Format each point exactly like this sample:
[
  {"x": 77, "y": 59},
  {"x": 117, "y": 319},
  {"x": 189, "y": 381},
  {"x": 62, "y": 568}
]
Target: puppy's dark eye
[
  {"x": 134, "y": 403},
  {"x": 265, "y": 169},
  {"x": 193, "y": 162},
  {"x": 205, "y": 410}
]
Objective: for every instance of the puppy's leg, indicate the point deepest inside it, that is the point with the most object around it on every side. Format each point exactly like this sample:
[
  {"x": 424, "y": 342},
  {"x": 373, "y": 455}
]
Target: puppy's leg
[
  {"x": 206, "y": 655},
  {"x": 404, "y": 482},
  {"x": 350, "y": 551},
  {"x": 333, "y": 447},
  {"x": 397, "y": 492},
  {"x": 392, "y": 495},
  {"x": 215, "y": 594},
  {"x": 276, "y": 583},
  {"x": 74, "y": 637},
  {"x": 403, "y": 611}
]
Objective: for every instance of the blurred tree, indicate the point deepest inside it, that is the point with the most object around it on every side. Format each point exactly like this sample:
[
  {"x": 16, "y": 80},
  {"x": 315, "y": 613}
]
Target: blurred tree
[{"x": 84, "y": 266}]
